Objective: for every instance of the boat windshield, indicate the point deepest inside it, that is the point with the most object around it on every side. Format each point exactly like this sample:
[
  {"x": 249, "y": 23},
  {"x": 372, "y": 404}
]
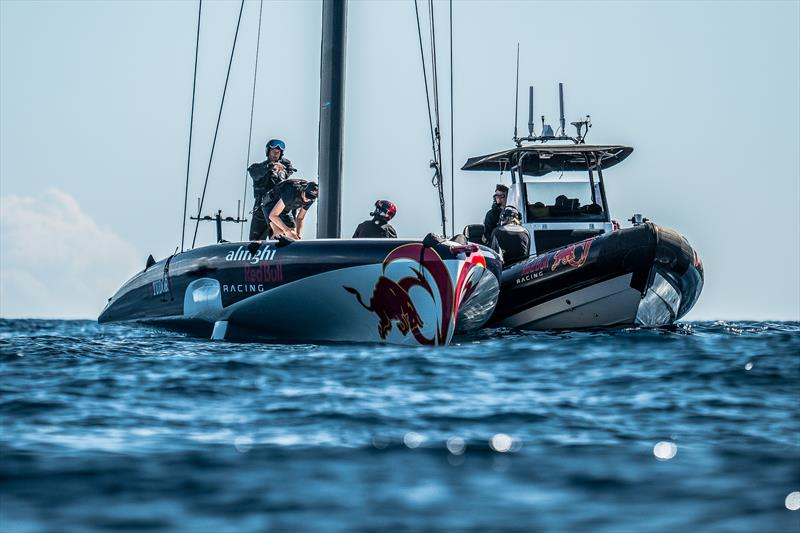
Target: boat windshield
[{"x": 564, "y": 199}]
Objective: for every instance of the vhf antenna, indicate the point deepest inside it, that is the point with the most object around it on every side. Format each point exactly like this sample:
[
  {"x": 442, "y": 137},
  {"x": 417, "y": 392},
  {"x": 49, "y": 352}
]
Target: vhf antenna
[
  {"x": 530, "y": 111},
  {"x": 561, "y": 107},
  {"x": 547, "y": 133},
  {"x": 516, "y": 100}
]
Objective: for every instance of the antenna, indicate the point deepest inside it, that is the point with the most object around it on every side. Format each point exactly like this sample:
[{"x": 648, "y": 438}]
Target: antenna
[
  {"x": 561, "y": 106},
  {"x": 530, "y": 111},
  {"x": 516, "y": 99}
]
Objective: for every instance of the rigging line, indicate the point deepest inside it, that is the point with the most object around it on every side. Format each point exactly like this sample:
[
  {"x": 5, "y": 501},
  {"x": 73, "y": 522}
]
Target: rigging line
[
  {"x": 435, "y": 163},
  {"x": 452, "y": 131},
  {"x": 191, "y": 124},
  {"x": 438, "y": 177},
  {"x": 425, "y": 76},
  {"x": 435, "y": 73},
  {"x": 250, "y": 136},
  {"x": 219, "y": 118}
]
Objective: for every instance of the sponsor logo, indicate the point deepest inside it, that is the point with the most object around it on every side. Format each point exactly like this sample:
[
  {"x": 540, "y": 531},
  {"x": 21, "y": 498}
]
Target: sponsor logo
[
  {"x": 160, "y": 286},
  {"x": 534, "y": 268},
  {"x": 257, "y": 279},
  {"x": 392, "y": 303},
  {"x": 241, "y": 288},
  {"x": 573, "y": 256},
  {"x": 243, "y": 254},
  {"x": 264, "y": 273}
]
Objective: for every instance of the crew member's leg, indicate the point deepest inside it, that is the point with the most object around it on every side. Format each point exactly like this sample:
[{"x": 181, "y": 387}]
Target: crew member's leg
[
  {"x": 268, "y": 226},
  {"x": 258, "y": 225}
]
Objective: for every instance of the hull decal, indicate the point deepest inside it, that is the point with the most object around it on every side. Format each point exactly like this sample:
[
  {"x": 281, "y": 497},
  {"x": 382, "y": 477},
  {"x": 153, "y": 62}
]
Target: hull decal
[{"x": 392, "y": 303}]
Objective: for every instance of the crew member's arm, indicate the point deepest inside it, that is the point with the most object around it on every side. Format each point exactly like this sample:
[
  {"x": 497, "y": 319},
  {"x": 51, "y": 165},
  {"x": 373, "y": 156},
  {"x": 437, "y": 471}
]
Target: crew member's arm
[
  {"x": 301, "y": 217},
  {"x": 390, "y": 232},
  {"x": 489, "y": 224},
  {"x": 275, "y": 220}
]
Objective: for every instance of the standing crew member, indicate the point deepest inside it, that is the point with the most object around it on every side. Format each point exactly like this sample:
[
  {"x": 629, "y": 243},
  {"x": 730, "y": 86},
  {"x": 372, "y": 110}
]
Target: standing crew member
[
  {"x": 265, "y": 176},
  {"x": 287, "y": 205},
  {"x": 379, "y": 226},
  {"x": 511, "y": 240},
  {"x": 492, "y": 218}
]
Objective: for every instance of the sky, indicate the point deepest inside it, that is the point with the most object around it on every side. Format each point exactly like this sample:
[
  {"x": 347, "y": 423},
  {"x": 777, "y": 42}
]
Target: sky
[{"x": 95, "y": 100}]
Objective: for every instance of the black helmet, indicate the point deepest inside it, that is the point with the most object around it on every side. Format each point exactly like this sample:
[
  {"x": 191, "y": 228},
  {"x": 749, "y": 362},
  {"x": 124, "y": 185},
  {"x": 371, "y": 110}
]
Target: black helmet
[
  {"x": 311, "y": 190},
  {"x": 509, "y": 214},
  {"x": 384, "y": 209},
  {"x": 275, "y": 143}
]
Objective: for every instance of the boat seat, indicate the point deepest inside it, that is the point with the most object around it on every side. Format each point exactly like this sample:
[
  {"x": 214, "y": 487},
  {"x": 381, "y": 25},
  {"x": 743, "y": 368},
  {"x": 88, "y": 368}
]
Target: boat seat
[
  {"x": 565, "y": 206},
  {"x": 538, "y": 210},
  {"x": 591, "y": 209},
  {"x": 474, "y": 233}
]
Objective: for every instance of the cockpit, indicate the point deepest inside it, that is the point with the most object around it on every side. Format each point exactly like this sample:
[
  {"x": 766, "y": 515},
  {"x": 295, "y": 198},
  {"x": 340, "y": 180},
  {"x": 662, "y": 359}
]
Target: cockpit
[{"x": 563, "y": 199}]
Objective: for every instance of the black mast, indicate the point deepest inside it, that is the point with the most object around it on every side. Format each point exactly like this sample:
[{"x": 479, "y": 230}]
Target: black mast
[{"x": 331, "y": 117}]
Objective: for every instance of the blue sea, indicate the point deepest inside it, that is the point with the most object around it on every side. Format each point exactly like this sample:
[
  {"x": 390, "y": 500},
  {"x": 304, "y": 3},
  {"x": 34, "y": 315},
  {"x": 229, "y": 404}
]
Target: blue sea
[{"x": 113, "y": 428}]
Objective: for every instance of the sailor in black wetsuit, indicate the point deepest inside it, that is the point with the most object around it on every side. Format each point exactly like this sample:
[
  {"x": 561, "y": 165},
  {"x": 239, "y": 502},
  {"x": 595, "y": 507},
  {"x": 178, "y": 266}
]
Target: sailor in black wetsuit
[
  {"x": 265, "y": 176},
  {"x": 287, "y": 205},
  {"x": 511, "y": 239},
  {"x": 379, "y": 226},
  {"x": 492, "y": 218}
]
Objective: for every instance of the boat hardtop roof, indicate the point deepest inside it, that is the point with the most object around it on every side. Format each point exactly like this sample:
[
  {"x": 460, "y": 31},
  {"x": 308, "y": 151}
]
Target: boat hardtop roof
[{"x": 541, "y": 159}]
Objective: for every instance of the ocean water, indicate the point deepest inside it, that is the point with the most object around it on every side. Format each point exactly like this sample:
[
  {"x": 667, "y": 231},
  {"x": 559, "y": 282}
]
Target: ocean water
[{"x": 111, "y": 428}]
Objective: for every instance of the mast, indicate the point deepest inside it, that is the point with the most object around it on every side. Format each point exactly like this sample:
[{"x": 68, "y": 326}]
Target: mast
[{"x": 331, "y": 117}]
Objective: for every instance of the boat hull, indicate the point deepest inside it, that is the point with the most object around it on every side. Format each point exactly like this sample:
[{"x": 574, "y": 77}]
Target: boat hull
[
  {"x": 646, "y": 275},
  {"x": 365, "y": 290}
]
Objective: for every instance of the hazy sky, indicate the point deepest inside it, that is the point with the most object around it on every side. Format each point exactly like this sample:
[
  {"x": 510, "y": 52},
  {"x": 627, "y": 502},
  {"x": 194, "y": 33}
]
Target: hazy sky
[{"x": 94, "y": 116}]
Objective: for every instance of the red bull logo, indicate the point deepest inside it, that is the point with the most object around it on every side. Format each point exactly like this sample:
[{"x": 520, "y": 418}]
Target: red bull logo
[
  {"x": 574, "y": 255},
  {"x": 392, "y": 303}
]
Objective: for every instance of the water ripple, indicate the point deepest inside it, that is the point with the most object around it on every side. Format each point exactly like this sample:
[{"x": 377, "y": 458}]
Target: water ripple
[{"x": 221, "y": 436}]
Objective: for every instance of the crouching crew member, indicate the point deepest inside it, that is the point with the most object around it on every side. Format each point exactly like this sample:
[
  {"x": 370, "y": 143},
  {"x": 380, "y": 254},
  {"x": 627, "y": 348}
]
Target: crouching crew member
[
  {"x": 379, "y": 226},
  {"x": 265, "y": 176},
  {"x": 511, "y": 239},
  {"x": 287, "y": 205}
]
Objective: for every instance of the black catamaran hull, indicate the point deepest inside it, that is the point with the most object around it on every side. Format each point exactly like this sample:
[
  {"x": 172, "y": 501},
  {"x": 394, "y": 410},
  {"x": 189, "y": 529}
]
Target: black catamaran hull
[
  {"x": 363, "y": 290},
  {"x": 646, "y": 275}
]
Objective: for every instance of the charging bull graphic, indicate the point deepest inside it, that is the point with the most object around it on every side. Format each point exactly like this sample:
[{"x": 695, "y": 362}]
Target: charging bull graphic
[
  {"x": 573, "y": 256},
  {"x": 392, "y": 302}
]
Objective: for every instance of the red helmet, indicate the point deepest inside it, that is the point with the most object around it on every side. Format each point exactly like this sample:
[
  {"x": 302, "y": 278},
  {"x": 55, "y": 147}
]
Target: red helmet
[{"x": 384, "y": 209}]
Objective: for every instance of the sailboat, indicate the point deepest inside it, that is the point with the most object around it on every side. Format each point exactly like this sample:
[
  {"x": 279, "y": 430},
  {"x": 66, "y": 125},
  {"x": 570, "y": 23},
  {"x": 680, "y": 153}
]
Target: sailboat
[{"x": 410, "y": 292}]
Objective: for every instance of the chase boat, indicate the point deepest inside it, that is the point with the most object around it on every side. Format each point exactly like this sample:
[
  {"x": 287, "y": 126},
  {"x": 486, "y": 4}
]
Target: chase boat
[{"x": 583, "y": 270}]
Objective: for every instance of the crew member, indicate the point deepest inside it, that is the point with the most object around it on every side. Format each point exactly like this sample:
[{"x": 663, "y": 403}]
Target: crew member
[
  {"x": 511, "y": 240},
  {"x": 287, "y": 205},
  {"x": 492, "y": 218},
  {"x": 379, "y": 226},
  {"x": 265, "y": 176}
]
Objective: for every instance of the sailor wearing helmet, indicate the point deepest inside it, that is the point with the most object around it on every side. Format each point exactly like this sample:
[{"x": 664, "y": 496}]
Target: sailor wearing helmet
[
  {"x": 265, "y": 176},
  {"x": 510, "y": 238},
  {"x": 378, "y": 226}
]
